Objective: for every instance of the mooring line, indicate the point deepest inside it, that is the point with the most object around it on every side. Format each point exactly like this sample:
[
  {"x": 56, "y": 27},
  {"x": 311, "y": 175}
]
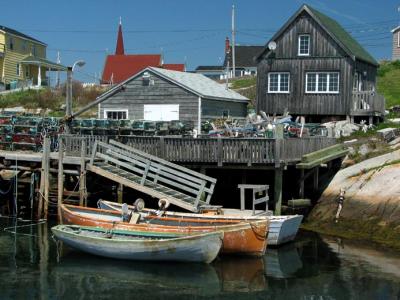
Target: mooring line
[{"x": 9, "y": 229}]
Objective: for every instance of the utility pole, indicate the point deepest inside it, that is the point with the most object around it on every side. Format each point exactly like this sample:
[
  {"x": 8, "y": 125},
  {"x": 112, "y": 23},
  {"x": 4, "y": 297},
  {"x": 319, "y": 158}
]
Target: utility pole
[
  {"x": 58, "y": 72},
  {"x": 68, "y": 101},
  {"x": 233, "y": 43}
]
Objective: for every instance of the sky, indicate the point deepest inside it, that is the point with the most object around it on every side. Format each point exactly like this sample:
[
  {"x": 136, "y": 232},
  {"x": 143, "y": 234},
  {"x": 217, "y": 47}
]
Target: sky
[{"x": 183, "y": 30}]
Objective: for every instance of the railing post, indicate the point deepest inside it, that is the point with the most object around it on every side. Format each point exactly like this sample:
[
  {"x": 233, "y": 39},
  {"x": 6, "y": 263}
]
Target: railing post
[
  {"x": 93, "y": 152},
  {"x": 162, "y": 147},
  {"x": 219, "y": 152}
]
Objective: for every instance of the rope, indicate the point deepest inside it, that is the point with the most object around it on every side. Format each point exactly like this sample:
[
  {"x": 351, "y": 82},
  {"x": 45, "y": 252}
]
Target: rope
[
  {"x": 9, "y": 229},
  {"x": 258, "y": 235}
]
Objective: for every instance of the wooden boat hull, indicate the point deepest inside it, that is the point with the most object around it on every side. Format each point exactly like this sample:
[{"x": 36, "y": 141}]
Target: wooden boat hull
[
  {"x": 195, "y": 248},
  {"x": 282, "y": 229},
  {"x": 246, "y": 238}
]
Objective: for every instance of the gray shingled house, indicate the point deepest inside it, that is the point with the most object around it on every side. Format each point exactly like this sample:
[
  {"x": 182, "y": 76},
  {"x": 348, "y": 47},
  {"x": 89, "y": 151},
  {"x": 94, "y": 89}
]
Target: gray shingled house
[
  {"x": 163, "y": 95},
  {"x": 313, "y": 68}
]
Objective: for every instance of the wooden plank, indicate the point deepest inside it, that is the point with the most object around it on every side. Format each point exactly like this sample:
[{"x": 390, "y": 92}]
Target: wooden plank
[{"x": 140, "y": 188}]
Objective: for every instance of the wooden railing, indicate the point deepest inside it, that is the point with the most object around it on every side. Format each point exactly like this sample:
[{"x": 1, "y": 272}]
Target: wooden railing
[
  {"x": 368, "y": 102},
  {"x": 210, "y": 150}
]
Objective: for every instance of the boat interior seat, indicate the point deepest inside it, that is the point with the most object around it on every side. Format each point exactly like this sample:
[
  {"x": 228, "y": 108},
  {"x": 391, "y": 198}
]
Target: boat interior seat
[{"x": 134, "y": 218}]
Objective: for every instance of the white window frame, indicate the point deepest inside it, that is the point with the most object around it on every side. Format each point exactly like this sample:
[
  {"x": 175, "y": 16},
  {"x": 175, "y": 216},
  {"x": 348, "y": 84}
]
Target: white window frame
[
  {"x": 309, "y": 45},
  {"x": 327, "y": 84},
  {"x": 106, "y": 111},
  {"x": 18, "y": 70},
  {"x": 279, "y": 83},
  {"x": 398, "y": 39}
]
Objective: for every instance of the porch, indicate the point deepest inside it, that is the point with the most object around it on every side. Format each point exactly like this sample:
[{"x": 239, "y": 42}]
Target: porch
[{"x": 367, "y": 103}]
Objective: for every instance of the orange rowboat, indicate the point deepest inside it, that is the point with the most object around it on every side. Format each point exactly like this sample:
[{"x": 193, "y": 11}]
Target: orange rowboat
[{"x": 246, "y": 238}]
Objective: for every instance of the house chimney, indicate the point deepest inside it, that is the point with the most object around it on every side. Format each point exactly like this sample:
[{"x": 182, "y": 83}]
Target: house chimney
[
  {"x": 119, "y": 50},
  {"x": 227, "y": 46}
]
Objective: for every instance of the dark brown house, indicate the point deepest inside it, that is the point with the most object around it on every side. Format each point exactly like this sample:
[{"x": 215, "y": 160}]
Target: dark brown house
[{"x": 313, "y": 68}]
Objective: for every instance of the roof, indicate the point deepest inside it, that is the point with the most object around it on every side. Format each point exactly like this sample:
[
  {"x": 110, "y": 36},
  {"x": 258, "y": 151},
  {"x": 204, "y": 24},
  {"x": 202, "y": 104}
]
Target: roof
[
  {"x": 33, "y": 60},
  {"x": 20, "y": 34},
  {"x": 121, "y": 67},
  {"x": 335, "y": 30},
  {"x": 395, "y": 29},
  {"x": 244, "y": 56},
  {"x": 210, "y": 68},
  {"x": 199, "y": 84},
  {"x": 175, "y": 67},
  {"x": 193, "y": 82}
]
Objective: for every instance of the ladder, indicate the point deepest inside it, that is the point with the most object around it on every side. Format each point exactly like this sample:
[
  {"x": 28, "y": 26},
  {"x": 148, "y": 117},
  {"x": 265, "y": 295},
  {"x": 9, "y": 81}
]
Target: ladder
[{"x": 151, "y": 175}]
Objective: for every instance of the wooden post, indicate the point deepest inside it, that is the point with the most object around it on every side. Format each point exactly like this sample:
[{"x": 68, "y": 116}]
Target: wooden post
[
  {"x": 60, "y": 185},
  {"x": 316, "y": 178},
  {"x": 302, "y": 179},
  {"x": 46, "y": 172},
  {"x": 219, "y": 152},
  {"x": 68, "y": 101},
  {"x": 278, "y": 191},
  {"x": 82, "y": 177},
  {"x": 120, "y": 193}
]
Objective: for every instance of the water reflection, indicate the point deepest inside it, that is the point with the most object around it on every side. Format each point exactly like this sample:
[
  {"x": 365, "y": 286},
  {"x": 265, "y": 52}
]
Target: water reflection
[{"x": 33, "y": 265}]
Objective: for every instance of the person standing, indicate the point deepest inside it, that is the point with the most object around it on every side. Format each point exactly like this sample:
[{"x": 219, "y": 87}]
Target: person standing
[{"x": 340, "y": 204}]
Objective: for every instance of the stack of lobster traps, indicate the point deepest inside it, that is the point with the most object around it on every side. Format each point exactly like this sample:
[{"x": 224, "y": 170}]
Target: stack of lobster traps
[
  {"x": 130, "y": 127},
  {"x": 27, "y": 132}
]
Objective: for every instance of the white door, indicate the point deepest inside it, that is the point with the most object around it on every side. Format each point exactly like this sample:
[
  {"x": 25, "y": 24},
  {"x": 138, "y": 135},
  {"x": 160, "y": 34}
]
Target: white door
[{"x": 161, "y": 112}]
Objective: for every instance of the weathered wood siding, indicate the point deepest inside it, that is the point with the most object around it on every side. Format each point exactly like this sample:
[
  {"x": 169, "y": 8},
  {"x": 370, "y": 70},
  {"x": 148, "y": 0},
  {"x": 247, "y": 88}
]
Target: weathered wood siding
[
  {"x": 325, "y": 56},
  {"x": 396, "y": 48},
  {"x": 212, "y": 109},
  {"x": 135, "y": 96}
]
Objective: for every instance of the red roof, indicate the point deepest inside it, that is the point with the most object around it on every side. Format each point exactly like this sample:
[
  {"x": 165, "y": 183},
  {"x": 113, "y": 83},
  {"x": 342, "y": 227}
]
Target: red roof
[
  {"x": 120, "y": 67},
  {"x": 175, "y": 67}
]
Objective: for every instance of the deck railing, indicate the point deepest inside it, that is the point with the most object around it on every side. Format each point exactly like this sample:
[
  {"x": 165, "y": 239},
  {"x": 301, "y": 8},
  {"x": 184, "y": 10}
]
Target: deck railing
[
  {"x": 368, "y": 102},
  {"x": 209, "y": 150}
]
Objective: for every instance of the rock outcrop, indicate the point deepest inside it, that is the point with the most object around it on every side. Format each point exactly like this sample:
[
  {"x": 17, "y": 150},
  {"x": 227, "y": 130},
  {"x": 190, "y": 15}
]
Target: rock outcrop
[{"x": 372, "y": 201}]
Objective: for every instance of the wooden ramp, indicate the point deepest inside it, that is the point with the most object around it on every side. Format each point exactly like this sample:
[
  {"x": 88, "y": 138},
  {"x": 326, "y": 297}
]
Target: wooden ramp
[{"x": 151, "y": 175}]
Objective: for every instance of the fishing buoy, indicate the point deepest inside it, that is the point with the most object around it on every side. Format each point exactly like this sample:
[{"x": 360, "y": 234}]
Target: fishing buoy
[
  {"x": 139, "y": 204},
  {"x": 163, "y": 204}
]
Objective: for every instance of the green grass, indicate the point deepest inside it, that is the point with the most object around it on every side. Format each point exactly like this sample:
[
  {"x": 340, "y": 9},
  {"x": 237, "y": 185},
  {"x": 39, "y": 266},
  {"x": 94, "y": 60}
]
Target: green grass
[
  {"x": 388, "y": 82},
  {"x": 244, "y": 82}
]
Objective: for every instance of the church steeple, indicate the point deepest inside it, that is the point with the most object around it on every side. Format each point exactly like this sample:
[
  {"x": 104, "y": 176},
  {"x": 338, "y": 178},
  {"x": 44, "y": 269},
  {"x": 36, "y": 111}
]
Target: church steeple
[{"x": 119, "y": 50}]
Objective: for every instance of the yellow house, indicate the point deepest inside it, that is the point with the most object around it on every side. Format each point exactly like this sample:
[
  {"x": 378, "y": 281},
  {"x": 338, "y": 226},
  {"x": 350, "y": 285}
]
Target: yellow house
[{"x": 23, "y": 60}]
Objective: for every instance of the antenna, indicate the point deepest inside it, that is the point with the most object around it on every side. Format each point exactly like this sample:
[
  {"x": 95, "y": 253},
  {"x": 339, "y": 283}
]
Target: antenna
[{"x": 233, "y": 43}]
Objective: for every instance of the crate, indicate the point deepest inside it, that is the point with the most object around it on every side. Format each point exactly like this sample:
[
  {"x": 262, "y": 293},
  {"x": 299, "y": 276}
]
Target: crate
[
  {"x": 26, "y": 147},
  {"x": 6, "y": 146},
  {"x": 27, "y": 138}
]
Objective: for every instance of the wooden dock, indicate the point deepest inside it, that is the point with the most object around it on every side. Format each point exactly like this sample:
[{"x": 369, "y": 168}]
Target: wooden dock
[{"x": 147, "y": 164}]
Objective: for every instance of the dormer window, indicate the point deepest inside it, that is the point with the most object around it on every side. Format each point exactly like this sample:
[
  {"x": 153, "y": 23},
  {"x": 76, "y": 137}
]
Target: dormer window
[{"x": 304, "y": 45}]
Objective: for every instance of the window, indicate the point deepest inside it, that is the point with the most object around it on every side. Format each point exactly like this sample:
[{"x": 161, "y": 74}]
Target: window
[
  {"x": 398, "y": 39},
  {"x": 27, "y": 72},
  {"x": 24, "y": 46},
  {"x": 117, "y": 114},
  {"x": 278, "y": 82},
  {"x": 18, "y": 69},
  {"x": 304, "y": 45},
  {"x": 322, "y": 82},
  {"x": 11, "y": 43},
  {"x": 33, "y": 50}
]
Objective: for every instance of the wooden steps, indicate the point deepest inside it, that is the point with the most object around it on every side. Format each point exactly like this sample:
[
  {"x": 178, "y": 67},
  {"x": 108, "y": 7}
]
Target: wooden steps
[{"x": 151, "y": 175}]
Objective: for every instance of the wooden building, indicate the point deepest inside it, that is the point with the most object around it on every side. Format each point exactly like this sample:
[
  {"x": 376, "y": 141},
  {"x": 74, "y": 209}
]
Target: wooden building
[
  {"x": 396, "y": 43},
  {"x": 23, "y": 60},
  {"x": 313, "y": 68},
  {"x": 163, "y": 95}
]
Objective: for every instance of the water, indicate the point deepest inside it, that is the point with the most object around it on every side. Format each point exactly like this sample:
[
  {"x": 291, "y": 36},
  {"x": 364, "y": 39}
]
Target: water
[{"x": 34, "y": 266}]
